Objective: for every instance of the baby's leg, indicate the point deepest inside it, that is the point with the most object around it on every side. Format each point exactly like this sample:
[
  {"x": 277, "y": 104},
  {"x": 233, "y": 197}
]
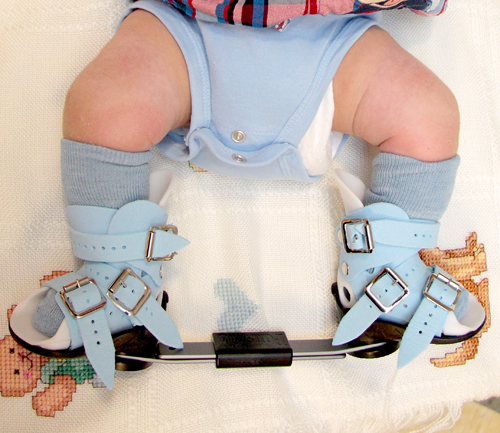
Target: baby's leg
[
  {"x": 134, "y": 92},
  {"x": 388, "y": 98},
  {"x": 123, "y": 103},
  {"x": 391, "y": 100}
]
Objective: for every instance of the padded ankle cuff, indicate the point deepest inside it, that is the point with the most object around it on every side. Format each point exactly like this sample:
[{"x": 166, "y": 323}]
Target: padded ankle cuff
[{"x": 382, "y": 278}]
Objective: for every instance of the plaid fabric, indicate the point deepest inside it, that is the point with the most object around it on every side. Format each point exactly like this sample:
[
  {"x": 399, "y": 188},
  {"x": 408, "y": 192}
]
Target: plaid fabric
[{"x": 264, "y": 13}]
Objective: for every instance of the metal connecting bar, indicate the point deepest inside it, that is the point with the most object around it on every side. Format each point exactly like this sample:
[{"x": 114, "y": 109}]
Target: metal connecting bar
[{"x": 251, "y": 350}]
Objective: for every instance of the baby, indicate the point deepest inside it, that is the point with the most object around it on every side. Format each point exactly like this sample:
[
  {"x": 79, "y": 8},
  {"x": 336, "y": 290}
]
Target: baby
[{"x": 256, "y": 103}]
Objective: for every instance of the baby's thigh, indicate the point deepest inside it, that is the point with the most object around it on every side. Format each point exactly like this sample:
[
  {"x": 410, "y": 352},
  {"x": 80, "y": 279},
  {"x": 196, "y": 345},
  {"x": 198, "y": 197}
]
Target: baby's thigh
[
  {"x": 134, "y": 92},
  {"x": 390, "y": 99}
]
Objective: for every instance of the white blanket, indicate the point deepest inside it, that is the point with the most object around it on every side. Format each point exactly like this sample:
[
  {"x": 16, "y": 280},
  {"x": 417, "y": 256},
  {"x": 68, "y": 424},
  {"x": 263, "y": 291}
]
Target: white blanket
[{"x": 262, "y": 254}]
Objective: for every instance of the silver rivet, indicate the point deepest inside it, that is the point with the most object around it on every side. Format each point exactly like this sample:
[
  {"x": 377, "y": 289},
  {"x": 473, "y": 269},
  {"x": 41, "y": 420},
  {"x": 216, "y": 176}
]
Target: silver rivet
[
  {"x": 238, "y": 136},
  {"x": 238, "y": 158},
  {"x": 345, "y": 268}
]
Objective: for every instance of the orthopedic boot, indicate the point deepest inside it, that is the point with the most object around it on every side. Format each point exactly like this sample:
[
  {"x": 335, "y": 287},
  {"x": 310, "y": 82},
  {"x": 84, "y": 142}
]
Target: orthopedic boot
[
  {"x": 381, "y": 277},
  {"x": 123, "y": 250}
]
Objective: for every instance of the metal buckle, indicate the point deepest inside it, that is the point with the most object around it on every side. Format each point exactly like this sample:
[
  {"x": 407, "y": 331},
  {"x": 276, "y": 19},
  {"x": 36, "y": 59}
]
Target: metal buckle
[
  {"x": 450, "y": 283},
  {"x": 368, "y": 235},
  {"x": 151, "y": 239},
  {"x": 78, "y": 284},
  {"x": 397, "y": 280},
  {"x": 120, "y": 282}
]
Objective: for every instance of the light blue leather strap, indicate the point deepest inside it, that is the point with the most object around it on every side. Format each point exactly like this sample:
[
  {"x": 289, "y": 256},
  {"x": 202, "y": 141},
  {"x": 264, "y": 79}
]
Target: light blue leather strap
[
  {"x": 385, "y": 292},
  {"x": 159, "y": 323},
  {"x": 124, "y": 247},
  {"x": 413, "y": 272},
  {"x": 409, "y": 234},
  {"x": 442, "y": 293},
  {"x": 57, "y": 285},
  {"x": 383, "y": 255},
  {"x": 373, "y": 243},
  {"x": 132, "y": 301},
  {"x": 98, "y": 345},
  {"x": 132, "y": 296},
  {"x": 85, "y": 303},
  {"x": 357, "y": 320}
]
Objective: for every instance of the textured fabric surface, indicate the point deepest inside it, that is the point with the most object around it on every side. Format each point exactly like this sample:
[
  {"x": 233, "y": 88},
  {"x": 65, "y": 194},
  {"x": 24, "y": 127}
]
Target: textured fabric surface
[
  {"x": 98, "y": 176},
  {"x": 422, "y": 189},
  {"x": 262, "y": 254},
  {"x": 265, "y": 13}
]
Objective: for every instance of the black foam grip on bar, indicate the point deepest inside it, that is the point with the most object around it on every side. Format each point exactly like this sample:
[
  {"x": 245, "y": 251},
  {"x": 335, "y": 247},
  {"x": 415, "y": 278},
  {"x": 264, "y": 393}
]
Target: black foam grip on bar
[{"x": 252, "y": 349}]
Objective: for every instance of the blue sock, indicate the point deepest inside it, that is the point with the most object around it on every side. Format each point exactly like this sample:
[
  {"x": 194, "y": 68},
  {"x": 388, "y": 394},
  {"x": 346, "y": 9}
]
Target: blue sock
[
  {"x": 98, "y": 176},
  {"x": 94, "y": 176},
  {"x": 422, "y": 189}
]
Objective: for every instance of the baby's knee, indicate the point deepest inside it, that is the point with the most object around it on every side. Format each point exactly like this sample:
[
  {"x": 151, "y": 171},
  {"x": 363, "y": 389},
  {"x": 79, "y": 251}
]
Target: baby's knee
[
  {"x": 100, "y": 111},
  {"x": 133, "y": 93},
  {"x": 397, "y": 103},
  {"x": 436, "y": 115},
  {"x": 426, "y": 119}
]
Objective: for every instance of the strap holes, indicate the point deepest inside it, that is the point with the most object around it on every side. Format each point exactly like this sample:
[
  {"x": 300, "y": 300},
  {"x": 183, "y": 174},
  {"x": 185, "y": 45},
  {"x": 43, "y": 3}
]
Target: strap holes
[
  {"x": 78, "y": 245},
  {"x": 84, "y": 291},
  {"x": 416, "y": 235},
  {"x": 95, "y": 332},
  {"x": 419, "y": 332},
  {"x": 93, "y": 247},
  {"x": 85, "y": 246},
  {"x": 110, "y": 313},
  {"x": 103, "y": 248},
  {"x": 113, "y": 248},
  {"x": 423, "y": 236},
  {"x": 88, "y": 301},
  {"x": 106, "y": 278},
  {"x": 124, "y": 247},
  {"x": 405, "y": 305},
  {"x": 425, "y": 323},
  {"x": 98, "y": 343},
  {"x": 97, "y": 273},
  {"x": 347, "y": 294},
  {"x": 430, "y": 314},
  {"x": 92, "y": 321},
  {"x": 133, "y": 291}
]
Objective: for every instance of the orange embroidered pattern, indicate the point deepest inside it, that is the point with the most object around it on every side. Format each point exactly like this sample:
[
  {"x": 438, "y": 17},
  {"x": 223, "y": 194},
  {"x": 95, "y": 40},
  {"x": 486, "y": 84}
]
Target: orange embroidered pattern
[{"x": 463, "y": 264}]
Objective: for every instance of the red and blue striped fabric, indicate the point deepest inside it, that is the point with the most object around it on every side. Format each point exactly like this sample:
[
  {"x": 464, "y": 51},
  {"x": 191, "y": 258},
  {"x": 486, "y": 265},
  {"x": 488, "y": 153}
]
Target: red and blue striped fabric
[{"x": 265, "y": 13}]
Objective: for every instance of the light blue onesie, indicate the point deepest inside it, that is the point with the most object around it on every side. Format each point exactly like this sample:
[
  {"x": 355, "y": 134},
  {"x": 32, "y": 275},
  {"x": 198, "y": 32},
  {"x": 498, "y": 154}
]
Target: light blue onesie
[{"x": 254, "y": 91}]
